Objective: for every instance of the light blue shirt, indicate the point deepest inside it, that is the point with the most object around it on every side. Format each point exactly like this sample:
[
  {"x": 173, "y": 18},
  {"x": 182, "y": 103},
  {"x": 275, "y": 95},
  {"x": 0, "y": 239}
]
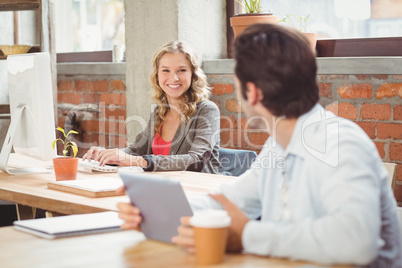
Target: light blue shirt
[{"x": 325, "y": 198}]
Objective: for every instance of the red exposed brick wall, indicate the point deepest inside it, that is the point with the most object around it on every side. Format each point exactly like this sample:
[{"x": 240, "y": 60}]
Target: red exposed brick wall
[
  {"x": 235, "y": 131},
  {"x": 95, "y": 107},
  {"x": 372, "y": 101}
]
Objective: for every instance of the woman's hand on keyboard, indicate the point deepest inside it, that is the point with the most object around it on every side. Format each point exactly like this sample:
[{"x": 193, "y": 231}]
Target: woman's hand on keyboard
[
  {"x": 118, "y": 157},
  {"x": 93, "y": 153},
  {"x": 113, "y": 156}
]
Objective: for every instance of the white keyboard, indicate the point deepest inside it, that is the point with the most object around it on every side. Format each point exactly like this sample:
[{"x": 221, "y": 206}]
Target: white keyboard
[{"x": 88, "y": 167}]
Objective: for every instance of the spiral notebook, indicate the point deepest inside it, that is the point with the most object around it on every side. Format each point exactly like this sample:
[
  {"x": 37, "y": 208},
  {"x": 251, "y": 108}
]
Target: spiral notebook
[{"x": 71, "y": 225}]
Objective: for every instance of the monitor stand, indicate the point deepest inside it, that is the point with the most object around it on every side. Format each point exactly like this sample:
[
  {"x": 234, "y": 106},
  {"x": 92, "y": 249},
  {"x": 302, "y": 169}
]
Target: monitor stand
[{"x": 8, "y": 145}]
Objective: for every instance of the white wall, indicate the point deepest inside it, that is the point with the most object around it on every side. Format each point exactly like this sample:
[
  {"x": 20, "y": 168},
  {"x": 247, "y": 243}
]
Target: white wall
[{"x": 202, "y": 24}]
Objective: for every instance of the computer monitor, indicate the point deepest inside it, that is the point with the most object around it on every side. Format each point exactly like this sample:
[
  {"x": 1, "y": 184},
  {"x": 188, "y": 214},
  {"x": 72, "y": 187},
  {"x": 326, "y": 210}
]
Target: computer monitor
[{"x": 32, "y": 128}]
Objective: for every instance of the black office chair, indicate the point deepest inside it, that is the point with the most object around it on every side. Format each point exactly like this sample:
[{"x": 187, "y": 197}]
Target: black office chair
[{"x": 235, "y": 162}]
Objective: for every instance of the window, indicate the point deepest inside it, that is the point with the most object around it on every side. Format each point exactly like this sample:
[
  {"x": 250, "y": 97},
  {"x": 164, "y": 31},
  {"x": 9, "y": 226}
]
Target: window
[
  {"x": 88, "y": 26},
  {"x": 344, "y": 18},
  {"x": 345, "y": 28}
]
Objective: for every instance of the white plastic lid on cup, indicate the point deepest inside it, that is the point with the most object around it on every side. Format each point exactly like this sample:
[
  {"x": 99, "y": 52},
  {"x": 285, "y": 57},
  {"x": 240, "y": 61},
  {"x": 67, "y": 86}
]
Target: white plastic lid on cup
[{"x": 210, "y": 218}]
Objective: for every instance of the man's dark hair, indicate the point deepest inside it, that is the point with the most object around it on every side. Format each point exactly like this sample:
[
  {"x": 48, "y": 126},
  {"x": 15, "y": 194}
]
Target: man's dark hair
[{"x": 280, "y": 62}]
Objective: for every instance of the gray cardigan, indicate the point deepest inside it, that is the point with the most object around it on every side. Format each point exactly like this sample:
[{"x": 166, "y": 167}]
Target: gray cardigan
[{"x": 194, "y": 147}]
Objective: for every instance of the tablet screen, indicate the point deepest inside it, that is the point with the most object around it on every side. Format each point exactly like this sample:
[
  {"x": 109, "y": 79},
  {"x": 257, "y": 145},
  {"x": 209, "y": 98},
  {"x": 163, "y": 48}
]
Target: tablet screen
[{"x": 162, "y": 203}]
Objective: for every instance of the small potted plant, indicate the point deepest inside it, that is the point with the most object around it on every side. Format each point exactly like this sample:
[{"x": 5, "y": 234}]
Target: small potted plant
[
  {"x": 300, "y": 23},
  {"x": 65, "y": 168},
  {"x": 253, "y": 14}
]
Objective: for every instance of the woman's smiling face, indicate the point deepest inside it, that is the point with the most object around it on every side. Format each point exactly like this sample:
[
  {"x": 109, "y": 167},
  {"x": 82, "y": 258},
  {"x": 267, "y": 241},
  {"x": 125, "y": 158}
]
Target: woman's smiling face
[{"x": 174, "y": 75}]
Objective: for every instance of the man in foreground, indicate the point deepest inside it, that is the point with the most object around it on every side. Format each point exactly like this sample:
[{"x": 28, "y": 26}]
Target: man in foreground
[{"x": 318, "y": 190}]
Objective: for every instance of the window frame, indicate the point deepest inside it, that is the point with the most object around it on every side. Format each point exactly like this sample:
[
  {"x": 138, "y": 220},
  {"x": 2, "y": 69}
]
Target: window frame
[{"x": 90, "y": 56}]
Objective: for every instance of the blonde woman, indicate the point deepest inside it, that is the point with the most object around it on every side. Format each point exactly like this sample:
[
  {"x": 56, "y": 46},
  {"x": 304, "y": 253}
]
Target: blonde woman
[{"x": 183, "y": 132}]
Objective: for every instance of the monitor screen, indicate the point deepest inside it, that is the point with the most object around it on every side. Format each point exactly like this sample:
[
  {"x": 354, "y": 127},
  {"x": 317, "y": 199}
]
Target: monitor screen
[{"x": 32, "y": 128}]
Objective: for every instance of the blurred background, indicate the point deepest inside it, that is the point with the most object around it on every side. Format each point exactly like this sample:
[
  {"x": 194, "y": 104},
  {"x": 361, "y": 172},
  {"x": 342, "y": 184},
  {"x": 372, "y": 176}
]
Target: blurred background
[
  {"x": 344, "y": 18},
  {"x": 89, "y": 25}
]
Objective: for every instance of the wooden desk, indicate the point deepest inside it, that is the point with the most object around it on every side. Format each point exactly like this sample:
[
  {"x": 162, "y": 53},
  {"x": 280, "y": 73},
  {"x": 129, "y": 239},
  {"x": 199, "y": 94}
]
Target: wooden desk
[
  {"x": 119, "y": 249},
  {"x": 32, "y": 191}
]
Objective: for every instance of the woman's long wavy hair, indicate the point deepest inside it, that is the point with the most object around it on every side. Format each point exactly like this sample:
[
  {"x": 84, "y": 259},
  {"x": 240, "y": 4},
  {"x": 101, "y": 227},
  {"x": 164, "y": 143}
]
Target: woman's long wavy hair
[{"x": 198, "y": 91}]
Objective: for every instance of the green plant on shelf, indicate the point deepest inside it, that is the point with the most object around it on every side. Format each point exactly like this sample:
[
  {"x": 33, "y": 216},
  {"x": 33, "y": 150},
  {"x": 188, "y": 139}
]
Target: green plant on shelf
[
  {"x": 66, "y": 142},
  {"x": 251, "y": 6},
  {"x": 298, "y": 22}
]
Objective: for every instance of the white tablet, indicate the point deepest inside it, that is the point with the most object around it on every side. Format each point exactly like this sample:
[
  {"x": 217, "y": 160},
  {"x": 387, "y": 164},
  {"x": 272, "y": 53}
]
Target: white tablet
[{"x": 162, "y": 203}]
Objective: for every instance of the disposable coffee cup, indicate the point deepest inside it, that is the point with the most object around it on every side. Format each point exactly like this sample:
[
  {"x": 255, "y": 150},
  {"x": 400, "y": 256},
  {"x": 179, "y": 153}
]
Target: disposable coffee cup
[{"x": 210, "y": 233}]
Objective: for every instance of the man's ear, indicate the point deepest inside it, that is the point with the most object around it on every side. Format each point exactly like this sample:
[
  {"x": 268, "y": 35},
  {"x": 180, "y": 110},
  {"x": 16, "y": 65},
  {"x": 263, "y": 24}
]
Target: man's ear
[{"x": 253, "y": 93}]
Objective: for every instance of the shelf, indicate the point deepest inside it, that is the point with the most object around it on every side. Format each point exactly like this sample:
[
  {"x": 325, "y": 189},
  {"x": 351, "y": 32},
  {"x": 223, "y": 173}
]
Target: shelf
[
  {"x": 12, "y": 5},
  {"x": 33, "y": 49}
]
